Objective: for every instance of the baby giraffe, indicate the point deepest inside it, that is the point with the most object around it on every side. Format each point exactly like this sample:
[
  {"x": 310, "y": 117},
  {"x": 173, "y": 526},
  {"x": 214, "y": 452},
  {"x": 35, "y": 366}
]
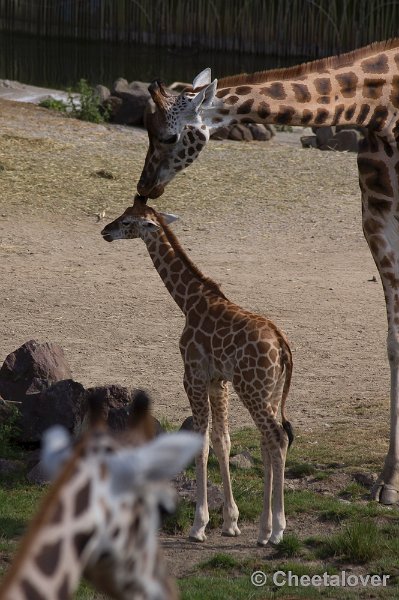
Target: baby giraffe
[
  {"x": 100, "y": 519},
  {"x": 221, "y": 342}
]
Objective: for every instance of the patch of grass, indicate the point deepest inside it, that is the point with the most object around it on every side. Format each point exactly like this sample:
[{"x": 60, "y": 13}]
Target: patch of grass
[
  {"x": 298, "y": 470},
  {"x": 54, "y": 104},
  {"x": 353, "y": 491},
  {"x": 289, "y": 547},
  {"x": 90, "y": 108},
  {"x": 8, "y": 433},
  {"x": 181, "y": 520},
  {"x": 219, "y": 562},
  {"x": 360, "y": 542}
]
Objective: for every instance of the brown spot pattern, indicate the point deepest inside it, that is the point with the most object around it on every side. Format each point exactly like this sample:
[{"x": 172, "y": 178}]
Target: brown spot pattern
[
  {"x": 321, "y": 116},
  {"x": 378, "y": 118},
  {"x": 364, "y": 111},
  {"x": 231, "y": 100},
  {"x": 347, "y": 83},
  {"x": 323, "y": 86},
  {"x": 30, "y": 592},
  {"x": 48, "y": 558},
  {"x": 337, "y": 114},
  {"x": 285, "y": 115},
  {"x": 223, "y": 93},
  {"x": 63, "y": 591},
  {"x": 376, "y": 176},
  {"x": 394, "y": 95},
  {"x": 275, "y": 91},
  {"x": 80, "y": 541},
  {"x": 373, "y": 88},
  {"x": 301, "y": 92},
  {"x": 376, "y": 64},
  {"x": 82, "y": 499},
  {"x": 379, "y": 207},
  {"x": 263, "y": 110},
  {"x": 350, "y": 111},
  {"x": 243, "y": 90},
  {"x": 245, "y": 107},
  {"x": 307, "y": 116}
]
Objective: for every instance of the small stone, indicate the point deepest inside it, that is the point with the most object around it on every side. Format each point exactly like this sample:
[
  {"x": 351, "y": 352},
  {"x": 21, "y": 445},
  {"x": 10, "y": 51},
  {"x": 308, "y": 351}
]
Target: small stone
[{"x": 244, "y": 460}]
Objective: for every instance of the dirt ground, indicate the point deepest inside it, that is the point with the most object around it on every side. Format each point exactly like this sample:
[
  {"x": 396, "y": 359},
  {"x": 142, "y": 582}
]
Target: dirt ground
[{"x": 279, "y": 227}]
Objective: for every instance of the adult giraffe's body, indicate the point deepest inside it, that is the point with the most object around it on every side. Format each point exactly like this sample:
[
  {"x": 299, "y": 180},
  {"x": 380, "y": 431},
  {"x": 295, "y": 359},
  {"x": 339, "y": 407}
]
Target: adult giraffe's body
[{"x": 358, "y": 88}]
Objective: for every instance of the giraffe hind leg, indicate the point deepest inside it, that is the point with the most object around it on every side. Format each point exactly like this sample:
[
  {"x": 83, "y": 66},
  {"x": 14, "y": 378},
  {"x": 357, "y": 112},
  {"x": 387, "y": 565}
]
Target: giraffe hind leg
[{"x": 218, "y": 394}]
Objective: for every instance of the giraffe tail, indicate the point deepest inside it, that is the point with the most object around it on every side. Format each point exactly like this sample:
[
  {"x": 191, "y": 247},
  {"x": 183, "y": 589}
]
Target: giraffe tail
[{"x": 287, "y": 362}]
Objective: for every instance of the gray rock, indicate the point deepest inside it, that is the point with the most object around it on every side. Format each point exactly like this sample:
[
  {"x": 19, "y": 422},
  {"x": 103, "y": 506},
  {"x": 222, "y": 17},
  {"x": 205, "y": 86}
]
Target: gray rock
[
  {"x": 32, "y": 368},
  {"x": 187, "y": 489},
  {"x": 63, "y": 403},
  {"x": 260, "y": 132},
  {"x": 240, "y": 133},
  {"x": 187, "y": 424},
  {"x": 102, "y": 92},
  {"x": 365, "y": 479},
  {"x": 323, "y": 134},
  {"x": 244, "y": 460},
  {"x": 309, "y": 141},
  {"x": 221, "y": 134},
  {"x": 130, "y": 104},
  {"x": 347, "y": 140},
  {"x": 38, "y": 475},
  {"x": 8, "y": 467}
]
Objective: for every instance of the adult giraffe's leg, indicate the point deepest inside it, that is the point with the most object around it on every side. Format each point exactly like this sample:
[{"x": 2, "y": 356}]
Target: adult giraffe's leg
[
  {"x": 197, "y": 392},
  {"x": 219, "y": 397},
  {"x": 378, "y": 174}
]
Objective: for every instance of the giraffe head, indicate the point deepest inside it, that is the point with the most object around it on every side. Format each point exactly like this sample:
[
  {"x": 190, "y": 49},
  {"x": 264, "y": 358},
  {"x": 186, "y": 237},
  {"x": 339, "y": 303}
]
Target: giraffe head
[
  {"x": 176, "y": 132},
  {"x": 138, "y": 221},
  {"x": 102, "y": 515}
]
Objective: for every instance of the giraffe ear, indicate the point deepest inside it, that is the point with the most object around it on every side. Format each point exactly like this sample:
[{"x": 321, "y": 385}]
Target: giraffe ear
[
  {"x": 202, "y": 78},
  {"x": 56, "y": 449},
  {"x": 159, "y": 460},
  {"x": 205, "y": 97},
  {"x": 168, "y": 217}
]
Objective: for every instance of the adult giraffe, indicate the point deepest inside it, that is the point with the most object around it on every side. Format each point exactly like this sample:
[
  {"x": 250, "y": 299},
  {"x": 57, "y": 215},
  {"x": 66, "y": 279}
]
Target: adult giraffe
[{"x": 357, "y": 88}]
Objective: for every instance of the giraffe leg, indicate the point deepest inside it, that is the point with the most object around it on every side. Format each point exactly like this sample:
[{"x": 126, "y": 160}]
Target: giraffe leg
[
  {"x": 380, "y": 194},
  {"x": 197, "y": 393},
  {"x": 274, "y": 445},
  {"x": 218, "y": 393}
]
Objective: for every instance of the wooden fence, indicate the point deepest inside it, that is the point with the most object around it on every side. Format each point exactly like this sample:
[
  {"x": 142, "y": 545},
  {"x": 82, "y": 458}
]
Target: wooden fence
[{"x": 280, "y": 27}]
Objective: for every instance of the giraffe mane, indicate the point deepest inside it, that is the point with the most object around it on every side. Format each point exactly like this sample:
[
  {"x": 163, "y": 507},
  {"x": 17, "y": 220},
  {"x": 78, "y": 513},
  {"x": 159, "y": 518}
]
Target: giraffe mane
[
  {"x": 174, "y": 242},
  {"x": 322, "y": 64},
  {"x": 42, "y": 515}
]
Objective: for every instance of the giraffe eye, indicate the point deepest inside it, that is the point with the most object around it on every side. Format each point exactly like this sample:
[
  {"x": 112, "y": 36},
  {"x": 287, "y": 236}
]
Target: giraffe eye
[
  {"x": 125, "y": 223},
  {"x": 170, "y": 140}
]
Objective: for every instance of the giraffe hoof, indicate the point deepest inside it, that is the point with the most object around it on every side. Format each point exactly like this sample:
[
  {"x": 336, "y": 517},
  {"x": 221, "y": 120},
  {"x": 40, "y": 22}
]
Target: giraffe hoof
[
  {"x": 231, "y": 531},
  {"x": 276, "y": 538},
  {"x": 262, "y": 543},
  {"x": 197, "y": 536},
  {"x": 385, "y": 494}
]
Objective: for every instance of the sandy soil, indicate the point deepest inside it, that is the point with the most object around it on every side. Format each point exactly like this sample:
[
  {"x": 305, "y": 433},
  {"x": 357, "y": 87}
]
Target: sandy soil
[{"x": 278, "y": 226}]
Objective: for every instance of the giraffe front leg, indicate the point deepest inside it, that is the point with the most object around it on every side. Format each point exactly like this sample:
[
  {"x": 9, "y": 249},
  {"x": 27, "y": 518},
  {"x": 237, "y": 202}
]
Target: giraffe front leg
[
  {"x": 218, "y": 393},
  {"x": 386, "y": 489},
  {"x": 197, "y": 392}
]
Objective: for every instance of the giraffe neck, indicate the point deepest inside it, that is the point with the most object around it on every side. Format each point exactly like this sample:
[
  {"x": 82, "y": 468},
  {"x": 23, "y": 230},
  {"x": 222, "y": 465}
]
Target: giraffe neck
[
  {"x": 360, "y": 88},
  {"x": 181, "y": 277},
  {"x": 49, "y": 562}
]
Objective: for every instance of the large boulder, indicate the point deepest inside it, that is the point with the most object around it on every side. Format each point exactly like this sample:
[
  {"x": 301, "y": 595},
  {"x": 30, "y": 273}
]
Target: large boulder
[
  {"x": 127, "y": 102},
  {"x": 63, "y": 403},
  {"x": 32, "y": 368}
]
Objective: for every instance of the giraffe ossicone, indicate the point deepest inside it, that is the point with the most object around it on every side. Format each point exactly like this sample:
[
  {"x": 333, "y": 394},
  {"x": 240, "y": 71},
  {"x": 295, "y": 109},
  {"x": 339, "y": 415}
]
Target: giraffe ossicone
[
  {"x": 221, "y": 342},
  {"x": 100, "y": 518},
  {"x": 359, "y": 88}
]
